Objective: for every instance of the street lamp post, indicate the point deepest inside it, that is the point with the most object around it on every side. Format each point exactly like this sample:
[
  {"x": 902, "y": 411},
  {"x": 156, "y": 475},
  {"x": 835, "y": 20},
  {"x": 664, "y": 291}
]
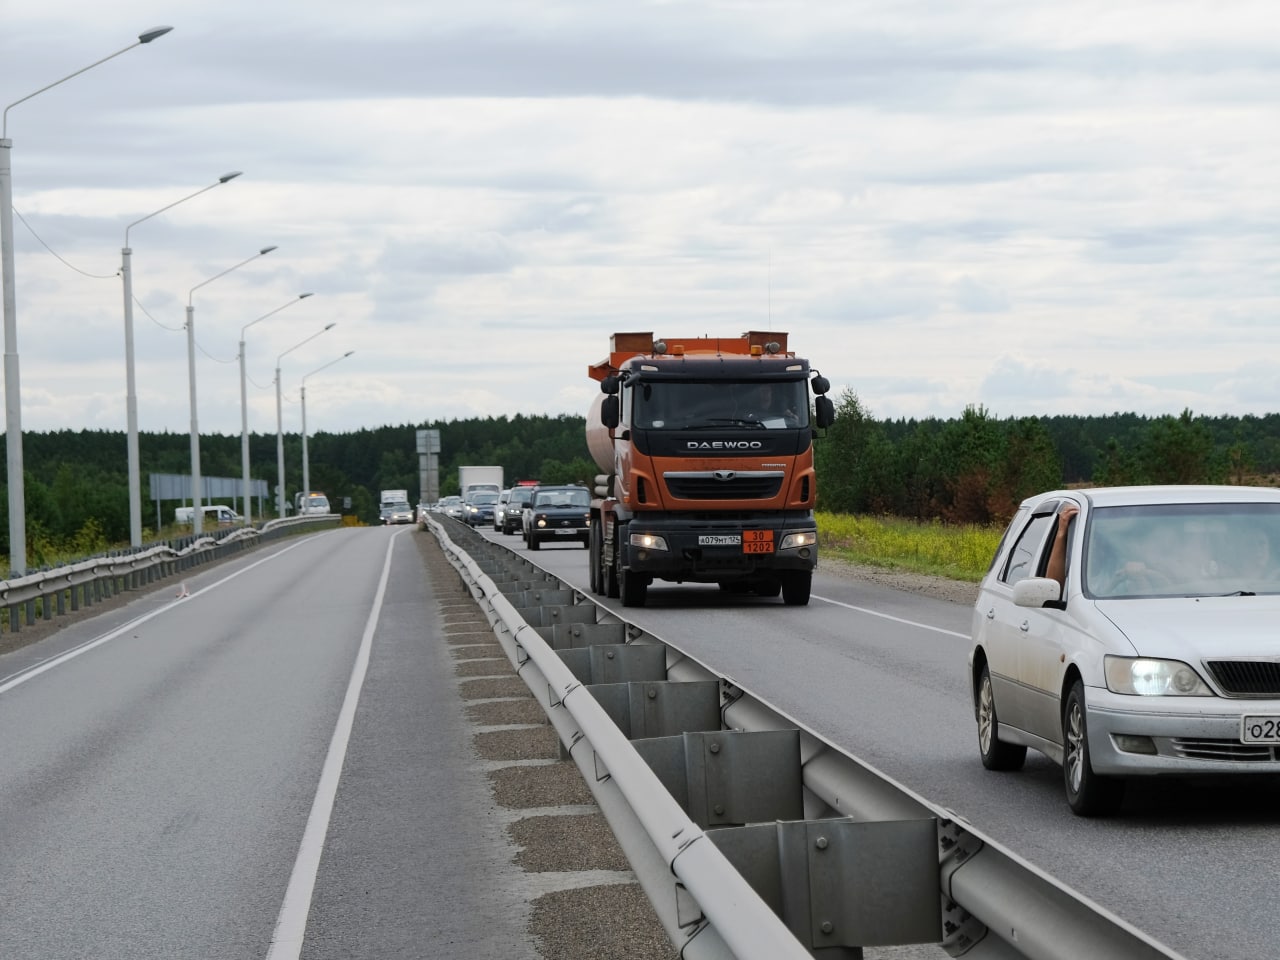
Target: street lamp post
[
  {"x": 244, "y": 407},
  {"x": 131, "y": 392},
  {"x": 280, "y": 421},
  {"x": 12, "y": 391},
  {"x": 306, "y": 463},
  {"x": 197, "y": 520}
]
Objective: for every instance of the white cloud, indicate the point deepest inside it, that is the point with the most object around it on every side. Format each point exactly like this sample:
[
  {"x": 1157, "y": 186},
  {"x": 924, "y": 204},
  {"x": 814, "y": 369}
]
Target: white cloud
[{"x": 1043, "y": 209}]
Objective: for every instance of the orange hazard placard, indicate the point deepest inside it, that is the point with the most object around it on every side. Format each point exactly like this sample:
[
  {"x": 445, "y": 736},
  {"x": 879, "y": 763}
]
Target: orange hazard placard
[{"x": 757, "y": 541}]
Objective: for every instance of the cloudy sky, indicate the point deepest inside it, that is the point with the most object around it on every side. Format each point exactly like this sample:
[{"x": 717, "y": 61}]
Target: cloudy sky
[{"x": 1057, "y": 208}]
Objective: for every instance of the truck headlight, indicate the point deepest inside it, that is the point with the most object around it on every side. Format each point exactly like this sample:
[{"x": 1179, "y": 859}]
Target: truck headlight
[
  {"x": 647, "y": 541},
  {"x": 807, "y": 539},
  {"x": 1147, "y": 677}
]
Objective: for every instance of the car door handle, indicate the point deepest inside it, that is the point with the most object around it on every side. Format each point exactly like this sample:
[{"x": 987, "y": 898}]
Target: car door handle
[{"x": 1025, "y": 626}]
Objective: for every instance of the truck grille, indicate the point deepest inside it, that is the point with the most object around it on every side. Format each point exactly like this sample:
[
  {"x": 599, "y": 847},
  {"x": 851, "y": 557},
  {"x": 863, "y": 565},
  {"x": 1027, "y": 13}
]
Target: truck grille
[
  {"x": 1246, "y": 678},
  {"x": 724, "y": 485}
]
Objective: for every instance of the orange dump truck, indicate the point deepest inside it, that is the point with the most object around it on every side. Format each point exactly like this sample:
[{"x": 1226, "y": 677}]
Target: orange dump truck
[{"x": 706, "y": 448}]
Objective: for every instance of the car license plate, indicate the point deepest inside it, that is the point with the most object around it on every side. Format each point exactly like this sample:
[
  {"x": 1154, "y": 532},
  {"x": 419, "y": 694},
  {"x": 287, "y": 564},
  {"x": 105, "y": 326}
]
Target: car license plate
[
  {"x": 757, "y": 541},
  {"x": 719, "y": 540},
  {"x": 1260, "y": 729},
  {"x": 571, "y": 532}
]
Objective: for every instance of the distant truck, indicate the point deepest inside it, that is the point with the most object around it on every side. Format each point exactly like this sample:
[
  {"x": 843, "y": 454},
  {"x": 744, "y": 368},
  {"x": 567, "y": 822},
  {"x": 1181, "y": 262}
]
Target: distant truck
[
  {"x": 388, "y": 497},
  {"x": 706, "y": 448},
  {"x": 476, "y": 479}
]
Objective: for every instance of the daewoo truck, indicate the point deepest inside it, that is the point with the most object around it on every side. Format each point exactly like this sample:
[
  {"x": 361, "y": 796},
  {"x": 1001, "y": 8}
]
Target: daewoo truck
[{"x": 706, "y": 448}]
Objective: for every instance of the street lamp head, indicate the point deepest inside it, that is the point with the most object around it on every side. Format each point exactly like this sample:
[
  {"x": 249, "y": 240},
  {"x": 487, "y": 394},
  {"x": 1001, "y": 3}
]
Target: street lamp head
[
  {"x": 347, "y": 354},
  {"x": 330, "y": 326},
  {"x": 152, "y": 34},
  {"x": 303, "y": 296},
  {"x": 265, "y": 250},
  {"x": 229, "y": 176}
]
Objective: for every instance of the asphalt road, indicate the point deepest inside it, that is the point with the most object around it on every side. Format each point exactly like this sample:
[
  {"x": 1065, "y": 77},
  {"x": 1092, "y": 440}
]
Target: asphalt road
[{"x": 882, "y": 674}]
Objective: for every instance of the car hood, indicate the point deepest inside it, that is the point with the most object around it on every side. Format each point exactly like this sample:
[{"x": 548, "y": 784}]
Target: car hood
[{"x": 1195, "y": 627}]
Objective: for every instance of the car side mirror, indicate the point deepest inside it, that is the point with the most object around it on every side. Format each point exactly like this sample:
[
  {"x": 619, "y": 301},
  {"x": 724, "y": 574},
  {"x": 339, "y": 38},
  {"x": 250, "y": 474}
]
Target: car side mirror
[{"x": 1037, "y": 592}]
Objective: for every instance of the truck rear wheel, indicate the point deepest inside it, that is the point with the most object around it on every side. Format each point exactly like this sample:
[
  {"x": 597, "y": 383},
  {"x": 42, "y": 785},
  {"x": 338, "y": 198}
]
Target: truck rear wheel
[
  {"x": 795, "y": 587},
  {"x": 610, "y": 572},
  {"x": 593, "y": 559}
]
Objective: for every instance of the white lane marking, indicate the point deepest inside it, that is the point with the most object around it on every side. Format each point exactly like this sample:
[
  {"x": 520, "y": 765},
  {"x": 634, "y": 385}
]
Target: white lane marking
[
  {"x": 291, "y": 924},
  {"x": 28, "y": 673},
  {"x": 885, "y": 616}
]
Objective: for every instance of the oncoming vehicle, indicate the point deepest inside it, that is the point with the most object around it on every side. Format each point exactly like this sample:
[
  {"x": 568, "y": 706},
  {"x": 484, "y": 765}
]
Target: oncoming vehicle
[
  {"x": 500, "y": 509},
  {"x": 397, "y": 512},
  {"x": 1155, "y": 656},
  {"x": 513, "y": 515},
  {"x": 451, "y": 506},
  {"x": 478, "y": 508},
  {"x": 558, "y": 513}
]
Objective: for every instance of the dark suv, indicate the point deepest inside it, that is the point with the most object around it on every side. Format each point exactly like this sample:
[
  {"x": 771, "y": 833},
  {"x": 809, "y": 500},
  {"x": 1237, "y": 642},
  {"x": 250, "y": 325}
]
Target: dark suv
[{"x": 557, "y": 513}]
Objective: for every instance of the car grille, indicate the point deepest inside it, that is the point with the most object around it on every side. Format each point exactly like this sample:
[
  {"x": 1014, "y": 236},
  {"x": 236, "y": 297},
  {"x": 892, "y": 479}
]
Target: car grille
[
  {"x": 760, "y": 486},
  {"x": 1230, "y": 750},
  {"x": 1246, "y": 678}
]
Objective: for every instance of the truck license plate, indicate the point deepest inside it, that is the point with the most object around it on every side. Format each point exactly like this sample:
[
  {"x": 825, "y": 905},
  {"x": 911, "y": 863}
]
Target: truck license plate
[
  {"x": 719, "y": 540},
  {"x": 1260, "y": 729},
  {"x": 757, "y": 541}
]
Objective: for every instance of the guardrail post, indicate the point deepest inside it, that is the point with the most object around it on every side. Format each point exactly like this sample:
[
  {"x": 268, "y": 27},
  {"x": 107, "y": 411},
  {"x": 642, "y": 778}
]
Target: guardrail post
[{"x": 840, "y": 885}]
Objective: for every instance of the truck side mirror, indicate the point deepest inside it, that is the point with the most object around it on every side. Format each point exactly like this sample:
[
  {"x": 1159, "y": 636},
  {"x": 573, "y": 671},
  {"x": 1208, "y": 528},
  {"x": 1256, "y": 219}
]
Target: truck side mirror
[
  {"x": 609, "y": 414},
  {"x": 609, "y": 385},
  {"x": 825, "y": 411}
]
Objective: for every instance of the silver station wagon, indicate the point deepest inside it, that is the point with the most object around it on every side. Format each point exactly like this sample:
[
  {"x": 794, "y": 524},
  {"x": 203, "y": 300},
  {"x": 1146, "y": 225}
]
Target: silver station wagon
[{"x": 1132, "y": 631}]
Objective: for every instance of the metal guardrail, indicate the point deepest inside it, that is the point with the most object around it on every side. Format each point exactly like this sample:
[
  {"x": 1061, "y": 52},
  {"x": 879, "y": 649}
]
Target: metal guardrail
[
  {"x": 734, "y": 864},
  {"x": 48, "y": 594}
]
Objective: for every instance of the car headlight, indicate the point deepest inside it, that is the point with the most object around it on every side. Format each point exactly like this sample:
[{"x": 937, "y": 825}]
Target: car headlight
[
  {"x": 1145, "y": 677},
  {"x": 807, "y": 539},
  {"x": 647, "y": 541}
]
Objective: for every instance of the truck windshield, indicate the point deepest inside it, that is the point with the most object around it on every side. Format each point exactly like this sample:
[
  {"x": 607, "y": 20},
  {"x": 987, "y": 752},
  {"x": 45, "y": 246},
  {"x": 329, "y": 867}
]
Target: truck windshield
[{"x": 711, "y": 405}]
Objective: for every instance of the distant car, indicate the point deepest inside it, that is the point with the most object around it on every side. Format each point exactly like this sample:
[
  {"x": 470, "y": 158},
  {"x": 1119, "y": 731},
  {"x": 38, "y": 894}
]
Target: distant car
[
  {"x": 397, "y": 512},
  {"x": 500, "y": 509},
  {"x": 513, "y": 516},
  {"x": 423, "y": 509},
  {"x": 452, "y": 507},
  {"x": 556, "y": 514},
  {"x": 1158, "y": 657},
  {"x": 478, "y": 508}
]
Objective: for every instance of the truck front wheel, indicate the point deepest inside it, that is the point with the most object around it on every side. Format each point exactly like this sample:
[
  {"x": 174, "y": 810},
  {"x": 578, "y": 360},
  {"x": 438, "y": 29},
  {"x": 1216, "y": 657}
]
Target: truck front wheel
[
  {"x": 795, "y": 587},
  {"x": 634, "y": 588}
]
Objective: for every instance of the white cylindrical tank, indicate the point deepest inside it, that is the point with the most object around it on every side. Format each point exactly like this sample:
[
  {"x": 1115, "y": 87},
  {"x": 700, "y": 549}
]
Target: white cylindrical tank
[{"x": 598, "y": 440}]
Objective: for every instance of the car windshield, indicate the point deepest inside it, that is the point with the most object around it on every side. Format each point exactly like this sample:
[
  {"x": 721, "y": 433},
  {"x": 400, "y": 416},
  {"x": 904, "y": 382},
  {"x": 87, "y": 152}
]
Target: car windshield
[
  {"x": 682, "y": 405},
  {"x": 1180, "y": 550},
  {"x": 563, "y": 498},
  {"x": 484, "y": 498}
]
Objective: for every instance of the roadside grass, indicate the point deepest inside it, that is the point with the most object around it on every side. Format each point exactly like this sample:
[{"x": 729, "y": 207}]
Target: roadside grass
[{"x": 956, "y": 551}]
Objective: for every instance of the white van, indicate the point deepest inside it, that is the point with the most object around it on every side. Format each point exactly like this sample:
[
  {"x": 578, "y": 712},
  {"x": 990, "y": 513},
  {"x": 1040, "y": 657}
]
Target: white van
[{"x": 216, "y": 516}]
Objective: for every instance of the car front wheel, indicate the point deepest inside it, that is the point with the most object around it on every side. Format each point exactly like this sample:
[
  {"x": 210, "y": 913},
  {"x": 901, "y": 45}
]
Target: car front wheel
[
  {"x": 1088, "y": 794},
  {"x": 996, "y": 755}
]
